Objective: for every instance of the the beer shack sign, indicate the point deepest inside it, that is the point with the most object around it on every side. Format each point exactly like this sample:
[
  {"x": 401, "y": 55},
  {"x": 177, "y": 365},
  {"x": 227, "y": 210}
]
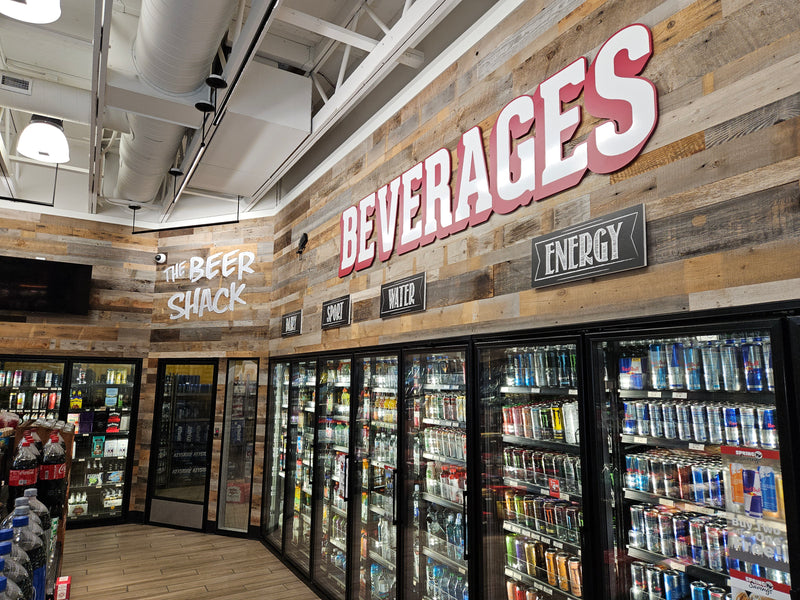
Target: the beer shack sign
[{"x": 525, "y": 161}]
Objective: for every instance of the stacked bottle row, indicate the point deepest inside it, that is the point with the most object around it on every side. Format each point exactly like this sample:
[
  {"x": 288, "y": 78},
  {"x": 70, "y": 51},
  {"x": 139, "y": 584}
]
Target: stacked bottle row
[
  {"x": 545, "y": 563},
  {"x": 338, "y": 375},
  {"x": 450, "y": 407},
  {"x": 34, "y": 378},
  {"x": 444, "y": 583},
  {"x": 441, "y": 369},
  {"x": 679, "y": 474},
  {"x": 445, "y": 442},
  {"x": 554, "y": 518},
  {"x": 26, "y": 550},
  {"x": 446, "y": 481},
  {"x": 445, "y": 528},
  {"x": 382, "y": 409},
  {"x": 656, "y": 582},
  {"x": 731, "y": 364},
  {"x": 384, "y": 446},
  {"x": 543, "y": 468},
  {"x": 708, "y": 423},
  {"x": 334, "y": 431},
  {"x": 381, "y": 582},
  {"x": 544, "y": 367},
  {"x": 543, "y": 420}
]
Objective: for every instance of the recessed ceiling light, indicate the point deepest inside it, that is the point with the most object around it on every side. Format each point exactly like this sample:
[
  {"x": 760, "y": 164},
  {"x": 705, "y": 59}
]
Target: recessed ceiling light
[{"x": 32, "y": 11}]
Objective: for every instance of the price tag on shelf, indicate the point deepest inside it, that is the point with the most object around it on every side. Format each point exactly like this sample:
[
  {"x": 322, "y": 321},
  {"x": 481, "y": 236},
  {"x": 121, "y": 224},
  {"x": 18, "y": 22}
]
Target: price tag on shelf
[
  {"x": 680, "y": 395},
  {"x": 654, "y": 394},
  {"x": 564, "y": 496},
  {"x": 541, "y": 588},
  {"x": 700, "y": 447},
  {"x": 704, "y": 509},
  {"x": 678, "y": 566},
  {"x": 558, "y": 545},
  {"x": 666, "y": 502},
  {"x": 573, "y": 392},
  {"x": 536, "y": 390},
  {"x": 639, "y": 440}
]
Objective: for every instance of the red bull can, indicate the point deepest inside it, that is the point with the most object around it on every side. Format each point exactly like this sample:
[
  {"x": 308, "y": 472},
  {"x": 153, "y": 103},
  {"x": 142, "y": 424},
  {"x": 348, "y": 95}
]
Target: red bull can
[{"x": 767, "y": 428}]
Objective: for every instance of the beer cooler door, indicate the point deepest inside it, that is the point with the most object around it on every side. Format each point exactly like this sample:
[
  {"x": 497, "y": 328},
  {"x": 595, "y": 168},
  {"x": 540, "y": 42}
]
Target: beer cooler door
[
  {"x": 333, "y": 454},
  {"x": 531, "y": 486},
  {"x": 375, "y": 475},
  {"x": 435, "y": 403},
  {"x": 300, "y": 465},
  {"x": 276, "y": 450},
  {"x": 695, "y": 454}
]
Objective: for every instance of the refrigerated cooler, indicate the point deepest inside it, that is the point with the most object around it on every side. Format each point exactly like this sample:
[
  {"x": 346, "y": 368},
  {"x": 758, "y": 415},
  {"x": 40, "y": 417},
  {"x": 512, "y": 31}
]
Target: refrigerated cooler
[
  {"x": 32, "y": 388},
  {"x": 531, "y": 482},
  {"x": 695, "y": 434}
]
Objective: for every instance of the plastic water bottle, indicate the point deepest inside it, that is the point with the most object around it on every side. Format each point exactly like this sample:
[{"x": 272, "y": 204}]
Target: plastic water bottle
[
  {"x": 33, "y": 547},
  {"x": 3, "y": 591},
  {"x": 12, "y": 589},
  {"x": 15, "y": 571},
  {"x": 17, "y": 553},
  {"x": 41, "y": 511},
  {"x": 23, "y": 510}
]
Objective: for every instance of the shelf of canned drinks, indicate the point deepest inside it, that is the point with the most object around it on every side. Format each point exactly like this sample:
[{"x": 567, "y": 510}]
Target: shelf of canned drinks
[
  {"x": 550, "y": 587},
  {"x": 538, "y": 536},
  {"x": 543, "y": 469},
  {"x": 547, "y": 444},
  {"x": 544, "y": 491},
  {"x": 653, "y": 583},
  {"x": 692, "y": 571},
  {"x": 687, "y": 505},
  {"x": 458, "y": 565},
  {"x": 541, "y": 391}
]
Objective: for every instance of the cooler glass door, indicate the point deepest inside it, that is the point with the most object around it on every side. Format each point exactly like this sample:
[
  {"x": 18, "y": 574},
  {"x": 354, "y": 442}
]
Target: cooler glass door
[
  {"x": 531, "y": 486},
  {"x": 697, "y": 501},
  {"x": 333, "y": 454},
  {"x": 376, "y": 475},
  {"x": 436, "y": 454},
  {"x": 238, "y": 441},
  {"x": 302, "y": 407},
  {"x": 277, "y": 435}
]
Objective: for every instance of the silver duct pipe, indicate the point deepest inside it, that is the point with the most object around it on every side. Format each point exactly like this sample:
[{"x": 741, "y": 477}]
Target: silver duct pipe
[{"x": 176, "y": 41}]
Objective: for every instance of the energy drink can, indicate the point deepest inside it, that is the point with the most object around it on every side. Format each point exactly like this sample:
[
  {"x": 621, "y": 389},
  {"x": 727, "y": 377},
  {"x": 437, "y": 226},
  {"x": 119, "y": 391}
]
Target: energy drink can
[
  {"x": 652, "y": 534},
  {"x": 637, "y": 574},
  {"x": 747, "y": 419},
  {"x": 511, "y": 550},
  {"x": 539, "y": 549},
  {"x": 667, "y": 534},
  {"x": 712, "y": 370},
  {"x": 680, "y": 527},
  {"x": 561, "y": 520},
  {"x": 540, "y": 367},
  {"x": 550, "y": 518},
  {"x": 530, "y": 511},
  {"x": 536, "y": 422},
  {"x": 642, "y": 418},
  {"x": 673, "y": 590},
  {"x": 697, "y": 542},
  {"x": 573, "y": 518},
  {"x": 731, "y": 417},
  {"x": 656, "y": 419},
  {"x": 546, "y": 422},
  {"x": 716, "y": 487},
  {"x": 508, "y": 420},
  {"x": 716, "y": 421},
  {"x": 629, "y": 418},
  {"x": 521, "y": 560},
  {"x": 570, "y": 477},
  {"x": 676, "y": 375},
  {"x": 716, "y": 593},
  {"x": 539, "y": 475},
  {"x": 684, "y": 414},
  {"x": 550, "y": 566},
  {"x": 670, "y": 416},
  {"x": 766, "y": 347},
  {"x": 558, "y": 422},
  {"x": 685, "y": 490},
  {"x": 563, "y": 367},
  {"x": 753, "y": 361},
  {"x": 654, "y": 580},
  {"x": 716, "y": 549},
  {"x": 521, "y": 591},
  {"x": 699, "y": 429},
  {"x": 767, "y": 428},
  {"x": 563, "y": 570},
  {"x": 530, "y": 559},
  {"x": 698, "y": 590},
  {"x": 530, "y": 594},
  {"x": 729, "y": 360},
  {"x": 643, "y": 473},
  {"x": 575, "y": 576},
  {"x": 700, "y": 485},
  {"x": 656, "y": 477},
  {"x": 657, "y": 356},
  {"x": 538, "y": 513},
  {"x": 637, "y": 517},
  {"x": 692, "y": 365},
  {"x": 511, "y": 590},
  {"x": 670, "y": 479}
]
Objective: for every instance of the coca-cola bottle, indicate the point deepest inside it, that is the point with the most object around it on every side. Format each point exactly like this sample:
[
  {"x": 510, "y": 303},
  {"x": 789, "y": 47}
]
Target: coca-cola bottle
[
  {"x": 52, "y": 484},
  {"x": 23, "y": 473}
]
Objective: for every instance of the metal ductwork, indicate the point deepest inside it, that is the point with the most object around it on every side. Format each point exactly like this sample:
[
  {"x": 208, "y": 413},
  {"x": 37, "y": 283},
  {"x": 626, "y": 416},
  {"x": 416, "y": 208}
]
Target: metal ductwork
[{"x": 176, "y": 41}]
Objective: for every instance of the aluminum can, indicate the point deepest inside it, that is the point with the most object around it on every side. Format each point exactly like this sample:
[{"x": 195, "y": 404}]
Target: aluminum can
[
  {"x": 530, "y": 559},
  {"x": 676, "y": 367},
  {"x": 563, "y": 367},
  {"x": 539, "y": 549},
  {"x": 697, "y": 541},
  {"x": 699, "y": 590},
  {"x": 680, "y": 527},
  {"x": 753, "y": 361},
  {"x": 769, "y": 374},
  {"x": 684, "y": 415},
  {"x": 519, "y": 549},
  {"x": 520, "y": 592},
  {"x": 716, "y": 420},
  {"x": 656, "y": 477},
  {"x": 670, "y": 416},
  {"x": 747, "y": 419},
  {"x": 731, "y": 417},
  {"x": 716, "y": 593},
  {"x": 511, "y": 590},
  {"x": 673, "y": 590},
  {"x": 652, "y": 534},
  {"x": 563, "y": 570},
  {"x": 530, "y": 511},
  {"x": 670, "y": 479},
  {"x": 654, "y": 580},
  {"x": 558, "y": 422},
  {"x": 536, "y": 423},
  {"x": 667, "y": 534},
  {"x": 637, "y": 517},
  {"x": 530, "y": 594},
  {"x": 550, "y": 566},
  {"x": 657, "y": 357},
  {"x": 540, "y": 367},
  {"x": 767, "y": 427},
  {"x": 716, "y": 549},
  {"x": 699, "y": 429},
  {"x": 716, "y": 487},
  {"x": 643, "y": 472},
  {"x": 730, "y": 358},
  {"x": 527, "y": 425},
  {"x": 573, "y": 524},
  {"x": 519, "y": 509},
  {"x": 637, "y": 574},
  {"x": 546, "y": 422},
  {"x": 656, "y": 419},
  {"x": 508, "y": 420},
  {"x": 551, "y": 370},
  {"x": 529, "y": 458},
  {"x": 550, "y": 518},
  {"x": 692, "y": 362},
  {"x": 730, "y": 563},
  {"x": 700, "y": 492},
  {"x": 538, "y": 511},
  {"x": 569, "y": 412},
  {"x": 561, "y": 520},
  {"x": 570, "y": 480},
  {"x": 642, "y": 418},
  {"x": 539, "y": 475},
  {"x": 575, "y": 576},
  {"x": 769, "y": 489},
  {"x": 511, "y": 550}
]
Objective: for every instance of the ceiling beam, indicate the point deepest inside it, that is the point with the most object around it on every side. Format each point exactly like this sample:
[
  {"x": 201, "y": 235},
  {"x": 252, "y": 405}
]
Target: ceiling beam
[{"x": 410, "y": 57}]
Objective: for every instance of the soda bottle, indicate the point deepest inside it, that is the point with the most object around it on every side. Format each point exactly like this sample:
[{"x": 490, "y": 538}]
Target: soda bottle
[
  {"x": 52, "y": 485},
  {"x": 23, "y": 473},
  {"x": 15, "y": 570},
  {"x": 13, "y": 592},
  {"x": 33, "y": 547}
]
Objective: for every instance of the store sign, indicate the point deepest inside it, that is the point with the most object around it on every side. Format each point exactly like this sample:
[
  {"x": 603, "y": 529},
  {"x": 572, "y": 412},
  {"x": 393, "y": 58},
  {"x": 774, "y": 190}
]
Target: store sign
[
  {"x": 336, "y": 313},
  {"x": 403, "y": 296},
  {"x": 197, "y": 301},
  {"x": 609, "y": 244},
  {"x": 291, "y": 323},
  {"x": 428, "y": 202}
]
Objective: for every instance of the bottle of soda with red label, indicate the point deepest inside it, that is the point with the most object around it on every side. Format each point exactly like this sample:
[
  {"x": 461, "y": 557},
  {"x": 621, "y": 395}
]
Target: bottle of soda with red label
[
  {"x": 23, "y": 474},
  {"x": 52, "y": 484}
]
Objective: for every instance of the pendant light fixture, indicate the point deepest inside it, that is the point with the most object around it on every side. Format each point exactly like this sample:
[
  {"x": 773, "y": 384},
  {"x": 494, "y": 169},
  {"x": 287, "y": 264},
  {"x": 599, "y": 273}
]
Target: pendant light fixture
[
  {"x": 44, "y": 140},
  {"x": 32, "y": 11}
]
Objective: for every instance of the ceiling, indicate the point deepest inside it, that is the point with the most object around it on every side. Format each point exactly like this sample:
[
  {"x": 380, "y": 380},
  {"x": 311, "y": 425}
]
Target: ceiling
[{"x": 301, "y": 76}]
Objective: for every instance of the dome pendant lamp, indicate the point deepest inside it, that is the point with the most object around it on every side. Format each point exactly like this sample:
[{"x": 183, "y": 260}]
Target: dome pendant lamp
[
  {"x": 32, "y": 11},
  {"x": 44, "y": 140}
]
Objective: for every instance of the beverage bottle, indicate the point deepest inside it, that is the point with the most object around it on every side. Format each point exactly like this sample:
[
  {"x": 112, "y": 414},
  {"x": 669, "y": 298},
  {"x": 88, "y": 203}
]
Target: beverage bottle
[
  {"x": 431, "y": 582},
  {"x": 22, "y": 509},
  {"x": 458, "y": 552},
  {"x": 40, "y": 510},
  {"x": 33, "y": 547},
  {"x": 14, "y": 570},
  {"x": 4, "y": 592},
  {"x": 13, "y": 592},
  {"x": 415, "y": 504},
  {"x": 23, "y": 473}
]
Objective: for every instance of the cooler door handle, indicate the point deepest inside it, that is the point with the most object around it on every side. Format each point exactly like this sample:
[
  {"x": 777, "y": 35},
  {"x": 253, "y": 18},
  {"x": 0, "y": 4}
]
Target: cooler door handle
[
  {"x": 394, "y": 496},
  {"x": 346, "y": 477},
  {"x": 464, "y": 527}
]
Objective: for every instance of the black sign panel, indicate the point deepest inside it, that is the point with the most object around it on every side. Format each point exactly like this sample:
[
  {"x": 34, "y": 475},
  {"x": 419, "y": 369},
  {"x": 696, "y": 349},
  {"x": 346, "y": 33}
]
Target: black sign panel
[
  {"x": 291, "y": 323},
  {"x": 336, "y": 313},
  {"x": 403, "y": 296},
  {"x": 605, "y": 245}
]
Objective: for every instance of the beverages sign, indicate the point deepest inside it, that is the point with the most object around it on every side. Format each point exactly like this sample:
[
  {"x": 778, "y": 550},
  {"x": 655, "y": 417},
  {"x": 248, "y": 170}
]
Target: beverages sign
[
  {"x": 420, "y": 205},
  {"x": 291, "y": 323},
  {"x": 605, "y": 245},
  {"x": 336, "y": 313},
  {"x": 403, "y": 296}
]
